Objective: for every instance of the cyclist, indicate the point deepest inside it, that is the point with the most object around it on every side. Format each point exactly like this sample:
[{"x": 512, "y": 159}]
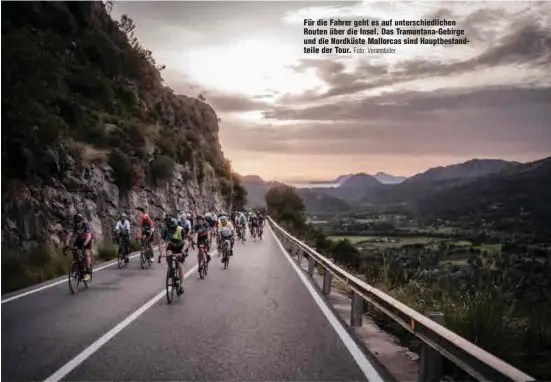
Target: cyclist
[
  {"x": 233, "y": 218},
  {"x": 221, "y": 216},
  {"x": 188, "y": 230},
  {"x": 226, "y": 231},
  {"x": 242, "y": 221},
  {"x": 202, "y": 230},
  {"x": 82, "y": 235},
  {"x": 260, "y": 225},
  {"x": 122, "y": 230},
  {"x": 207, "y": 219},
  {"x": 254, "y": 225},
  {"x": 146, "y": 230},
  {"x": 174, "y": 235}
]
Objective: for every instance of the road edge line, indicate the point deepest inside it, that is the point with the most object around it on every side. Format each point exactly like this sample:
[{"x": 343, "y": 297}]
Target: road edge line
[
  {"x": 50, "y": 283},
  {"x": 361, "y": 359}
]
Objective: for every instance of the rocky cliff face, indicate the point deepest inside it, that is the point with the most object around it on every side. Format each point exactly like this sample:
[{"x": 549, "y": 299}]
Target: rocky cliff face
[
  {"x": 41, "y": 213},
  {"x": 85, "y": 118}
]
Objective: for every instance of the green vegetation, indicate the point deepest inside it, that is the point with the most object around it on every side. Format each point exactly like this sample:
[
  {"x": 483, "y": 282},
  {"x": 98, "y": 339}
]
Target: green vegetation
[
  {"x": 108, "y": 252},
  {"x": 96, "y": 87},
  {"x": 162, "y": 169},
  {"x": 490, "y": 285},
  {"x": 79, "y": 90},
  {"x": 22, "y": 269}
]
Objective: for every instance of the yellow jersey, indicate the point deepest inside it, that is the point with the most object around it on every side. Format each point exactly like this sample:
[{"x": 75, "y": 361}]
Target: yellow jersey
[{"x": 226, "y": 229}]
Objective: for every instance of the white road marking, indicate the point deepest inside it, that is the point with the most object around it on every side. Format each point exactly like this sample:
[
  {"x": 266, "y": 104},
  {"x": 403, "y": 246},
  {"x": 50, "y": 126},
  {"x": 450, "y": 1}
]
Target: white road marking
[
  {"x": 86, "y": 353},
  {"x": 111, "y": 263},
  {"x": 358, "y": 355}
]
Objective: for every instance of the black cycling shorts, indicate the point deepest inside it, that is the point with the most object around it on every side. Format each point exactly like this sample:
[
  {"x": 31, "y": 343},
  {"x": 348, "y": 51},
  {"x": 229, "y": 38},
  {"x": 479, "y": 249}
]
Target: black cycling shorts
[
  {"x": 176, "y": 249},
  {"x": 79, "y": 242}
]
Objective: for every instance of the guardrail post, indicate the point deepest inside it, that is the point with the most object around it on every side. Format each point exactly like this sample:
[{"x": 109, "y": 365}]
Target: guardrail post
[
  {"x": 357, "y": 311},
  {"x": 430, "y": 359},
  {"x": 327, "y": 281},
  {"x": 299, "y": 256},
  {"x": 311, "y": 265}
]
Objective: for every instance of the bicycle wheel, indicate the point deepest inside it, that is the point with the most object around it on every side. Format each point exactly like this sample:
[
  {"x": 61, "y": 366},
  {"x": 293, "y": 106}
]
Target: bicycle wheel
[
  {"x": 170, "y": 284},
  {"x": 121, "y": 258},
  {"x": 201, "y": 266},
  {"x": 74, "y": 277},
  {"x": 148, "y": 255},
  {"x": 142, "y": 258}
]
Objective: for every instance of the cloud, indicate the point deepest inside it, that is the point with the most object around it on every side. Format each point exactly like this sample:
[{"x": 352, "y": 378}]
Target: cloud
[
  {"x": 489, "y": 98},
  {"x": 509, "y": 121},
  {"x": 526, "y": 44},
  {"x": 231, "y": 103},
  {"x": 415, "y": 104}
]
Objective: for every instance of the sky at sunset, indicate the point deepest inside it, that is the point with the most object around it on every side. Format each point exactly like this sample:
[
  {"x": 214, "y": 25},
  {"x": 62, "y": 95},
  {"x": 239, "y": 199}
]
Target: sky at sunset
[{"x": 291, "y": 116}]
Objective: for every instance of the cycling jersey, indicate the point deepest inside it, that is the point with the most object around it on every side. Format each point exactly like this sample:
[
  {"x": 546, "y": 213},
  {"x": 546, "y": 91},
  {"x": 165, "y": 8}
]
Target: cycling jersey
[
  {"x": 202, "y": 230},
  {"x": 175, "y": 236},
  {"x": 85, "y": 228},
  {"x": 226, "y": 230},
  {"x": 123, "y": 227}
]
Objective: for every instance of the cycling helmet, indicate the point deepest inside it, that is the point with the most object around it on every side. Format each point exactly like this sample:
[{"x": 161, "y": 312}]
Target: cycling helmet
[
  {"x": 123, "y": 216},
  {"x": 172, "y": 223},
  {"x": 223, "y": 218},
  {"x": 78, "y": 218},
  {"x": 145, "y": 216}
]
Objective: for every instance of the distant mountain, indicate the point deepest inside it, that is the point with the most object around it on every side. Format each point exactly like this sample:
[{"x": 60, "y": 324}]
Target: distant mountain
[
  {"x": 385, "y": 178},
  {"x": 437, "y": 179},
  {"x": 471, "y": 169},
  {"x": 519, "y": 197},
  {"x": 343, "y": 178},
  {"x": 483, "y": 187},
  {"x": 355, "y": 187}
]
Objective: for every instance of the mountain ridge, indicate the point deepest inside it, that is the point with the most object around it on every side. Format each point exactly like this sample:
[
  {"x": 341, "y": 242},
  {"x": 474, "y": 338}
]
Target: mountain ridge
[{"x": 361, "y": 188}]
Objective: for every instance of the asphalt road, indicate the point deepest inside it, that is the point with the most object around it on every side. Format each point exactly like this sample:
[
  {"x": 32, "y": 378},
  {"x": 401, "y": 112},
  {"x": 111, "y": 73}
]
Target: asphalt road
[{"x": 256, "y": 320}]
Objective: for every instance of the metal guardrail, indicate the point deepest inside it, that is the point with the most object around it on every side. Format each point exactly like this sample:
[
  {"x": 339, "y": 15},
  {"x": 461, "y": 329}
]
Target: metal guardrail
[{"x": 437, "y": 340}]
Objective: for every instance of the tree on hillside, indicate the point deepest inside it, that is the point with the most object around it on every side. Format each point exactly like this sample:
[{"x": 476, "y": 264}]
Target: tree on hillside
[
  {"x": 239, "y": 194},
  {"x": 285, "y": 206}
]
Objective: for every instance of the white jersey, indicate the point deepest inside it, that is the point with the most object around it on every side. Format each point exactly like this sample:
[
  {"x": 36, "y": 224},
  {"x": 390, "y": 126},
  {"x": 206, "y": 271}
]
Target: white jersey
[{"x": 123, "y": 226}]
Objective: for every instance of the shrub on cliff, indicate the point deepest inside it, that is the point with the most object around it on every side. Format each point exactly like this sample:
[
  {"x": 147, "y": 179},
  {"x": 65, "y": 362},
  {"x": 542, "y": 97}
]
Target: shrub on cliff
[
  {"x": 239, "y": 194},
  {"x": 122, "y": 169},
  {"x": 162, "y": 169}
]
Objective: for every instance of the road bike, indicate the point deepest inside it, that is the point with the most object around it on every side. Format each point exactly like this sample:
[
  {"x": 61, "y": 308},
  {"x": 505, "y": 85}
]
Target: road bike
[
  {"x": 77, "y": 269},
  {"x": 172, "y": 276},
  {"x": 146, "y": 254},
  {"x": 124, "y": 251},
  {"x": 226, "y": 252},
  {"x": 202, "y": 260},
  {"x": 241, "y": 233},
  {"x": 254, "y": 232}
]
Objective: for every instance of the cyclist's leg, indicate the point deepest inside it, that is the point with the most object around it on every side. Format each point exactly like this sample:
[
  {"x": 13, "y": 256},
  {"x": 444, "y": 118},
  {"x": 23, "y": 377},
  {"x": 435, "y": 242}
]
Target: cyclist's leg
[
  {"x": 88, "y": 253},
  {"x": 181, "y": 270}
]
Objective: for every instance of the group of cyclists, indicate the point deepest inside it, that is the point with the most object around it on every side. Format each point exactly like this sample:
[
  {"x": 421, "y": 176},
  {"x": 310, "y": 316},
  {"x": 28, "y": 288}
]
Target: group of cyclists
[{"x": 178, "y": 233}]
